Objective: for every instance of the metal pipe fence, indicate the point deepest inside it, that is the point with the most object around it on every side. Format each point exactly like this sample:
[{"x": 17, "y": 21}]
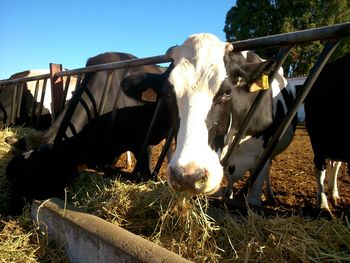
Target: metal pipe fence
[{"x": 330, "y": 34}]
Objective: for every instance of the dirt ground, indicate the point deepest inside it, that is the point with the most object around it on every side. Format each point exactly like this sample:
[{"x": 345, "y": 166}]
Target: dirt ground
[{"x": 293, "y": 180}]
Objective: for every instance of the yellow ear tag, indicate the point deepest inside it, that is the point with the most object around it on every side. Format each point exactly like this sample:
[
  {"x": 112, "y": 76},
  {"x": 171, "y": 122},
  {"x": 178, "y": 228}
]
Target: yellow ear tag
[
  {"x": 265, "y": 81},
  {"x": 261, "y": 84},
  {"x": 149, "y": 95}
]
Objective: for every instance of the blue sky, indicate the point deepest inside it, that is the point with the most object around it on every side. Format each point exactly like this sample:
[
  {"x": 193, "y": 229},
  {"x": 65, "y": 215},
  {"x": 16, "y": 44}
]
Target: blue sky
[{"x": 34, "y": 33}]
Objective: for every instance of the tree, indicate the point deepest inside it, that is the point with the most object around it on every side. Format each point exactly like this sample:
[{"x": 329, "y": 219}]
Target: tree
[{"x": 256, "y": 18}]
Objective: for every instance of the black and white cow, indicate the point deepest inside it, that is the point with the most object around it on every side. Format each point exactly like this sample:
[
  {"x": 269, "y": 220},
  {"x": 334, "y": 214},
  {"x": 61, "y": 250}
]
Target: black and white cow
[
  {"x": 326, "y": 115},
  {"x": 93, "y": 139},
  {"x": 212, "y": 85},
  {"x": 7, "y": 93}
]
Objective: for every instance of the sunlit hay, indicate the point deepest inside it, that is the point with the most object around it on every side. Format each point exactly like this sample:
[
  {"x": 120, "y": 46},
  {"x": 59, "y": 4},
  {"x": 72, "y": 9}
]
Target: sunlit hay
[
  {"x": 152, "y": 210},
  {"x": 115, "y": 200},
  {"x": 21, "y": 241},
  {"x": 187, "y": 229},
  {"x": 98, "y": 196},
  {"x": 181, "y": 224},
  {"x": 256, "y": 238}
]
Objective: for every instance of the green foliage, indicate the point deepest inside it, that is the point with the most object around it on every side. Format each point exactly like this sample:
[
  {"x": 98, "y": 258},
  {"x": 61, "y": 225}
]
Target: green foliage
[{"x": 256, "y": 18}]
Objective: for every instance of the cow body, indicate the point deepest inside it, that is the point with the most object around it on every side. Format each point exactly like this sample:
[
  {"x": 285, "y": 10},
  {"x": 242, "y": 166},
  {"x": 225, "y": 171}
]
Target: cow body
[
  {"x": 28, "y": 100},
  {"x": 326, "y": 115},
  {"x": 91, "y": 138},
  {"x": 250, "y": 148},
  {"x": 211, "y": 83}
]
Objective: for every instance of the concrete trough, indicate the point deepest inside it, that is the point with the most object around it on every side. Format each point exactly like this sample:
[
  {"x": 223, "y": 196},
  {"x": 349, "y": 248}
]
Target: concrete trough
[{"x": 87, "y": 238}]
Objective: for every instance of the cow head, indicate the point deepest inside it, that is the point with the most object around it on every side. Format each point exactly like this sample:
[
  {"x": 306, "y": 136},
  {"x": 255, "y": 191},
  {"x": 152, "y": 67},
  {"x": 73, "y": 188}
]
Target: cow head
[{"x": 211, "y": 83}]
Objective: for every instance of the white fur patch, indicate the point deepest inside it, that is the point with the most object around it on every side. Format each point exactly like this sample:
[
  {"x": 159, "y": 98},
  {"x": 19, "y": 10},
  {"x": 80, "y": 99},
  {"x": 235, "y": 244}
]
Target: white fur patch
[
  {"x": 47, "y": 99},
  {"x": 28, "y": 154}
]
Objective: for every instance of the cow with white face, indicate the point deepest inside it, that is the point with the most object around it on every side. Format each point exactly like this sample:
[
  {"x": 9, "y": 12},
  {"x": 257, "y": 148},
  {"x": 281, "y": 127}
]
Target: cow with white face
[{"x": 214, "y": 86}]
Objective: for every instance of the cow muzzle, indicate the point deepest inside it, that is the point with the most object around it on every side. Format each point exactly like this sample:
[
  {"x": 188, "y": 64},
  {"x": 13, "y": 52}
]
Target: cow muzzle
[{"x": 189, "y": 179}]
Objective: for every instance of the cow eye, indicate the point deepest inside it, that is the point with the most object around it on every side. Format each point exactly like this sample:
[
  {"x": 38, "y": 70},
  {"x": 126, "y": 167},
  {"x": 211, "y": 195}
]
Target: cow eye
[
  {"x": 228, "y": 92},
  {"x": 226, "y": 95}
]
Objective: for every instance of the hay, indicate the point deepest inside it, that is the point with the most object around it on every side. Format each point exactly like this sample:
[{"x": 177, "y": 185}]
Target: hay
[
  {"x": 287, "y": 239},
  {"x": 152, "y": 211},
  {"x": 182, "y": 224},
  {"x": 21, "y": 241}
]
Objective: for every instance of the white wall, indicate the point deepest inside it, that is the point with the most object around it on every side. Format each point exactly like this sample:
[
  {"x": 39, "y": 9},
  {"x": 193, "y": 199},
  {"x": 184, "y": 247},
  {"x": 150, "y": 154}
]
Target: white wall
[{"x": 297, "y": 81}]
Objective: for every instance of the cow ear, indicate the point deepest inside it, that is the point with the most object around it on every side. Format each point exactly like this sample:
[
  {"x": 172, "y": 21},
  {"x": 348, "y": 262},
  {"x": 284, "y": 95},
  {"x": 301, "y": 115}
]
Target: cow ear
[
  {"x": 258, "y": 74},
  {"x": 144, "y": 86}
]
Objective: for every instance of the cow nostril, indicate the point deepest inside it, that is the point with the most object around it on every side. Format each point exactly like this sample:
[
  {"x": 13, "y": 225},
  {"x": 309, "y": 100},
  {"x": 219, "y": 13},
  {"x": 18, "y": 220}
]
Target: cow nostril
[
  {"x": 200, "y": 179},
  {"x": 188, "y": 180}
]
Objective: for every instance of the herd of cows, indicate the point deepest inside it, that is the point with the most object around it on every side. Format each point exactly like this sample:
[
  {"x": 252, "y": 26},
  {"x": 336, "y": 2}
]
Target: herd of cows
[{"x": 206, "y": 92}]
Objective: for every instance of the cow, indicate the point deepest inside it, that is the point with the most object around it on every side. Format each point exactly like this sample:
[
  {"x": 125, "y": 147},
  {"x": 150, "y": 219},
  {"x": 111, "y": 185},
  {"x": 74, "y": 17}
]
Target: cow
[
  {"x": 326, "y": 114},
  {"x": 93, "y": 138},
  {"x": 7, "y": 93},
  {"x": 214, "y": 87}
]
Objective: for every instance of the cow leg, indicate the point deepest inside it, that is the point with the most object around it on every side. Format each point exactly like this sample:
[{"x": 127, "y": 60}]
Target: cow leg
[
  {"x": 321, "y": 195},
  {"x": 145, "y": 165},
  {"x": 255, "y": 192},
  {"x": 270, "y": 198},
  {"x": 231, "y": 177},
  {"x": 169, "y": 154},
  {"x": 128, "y": 161},
  {"x": 332, "y": 171}
]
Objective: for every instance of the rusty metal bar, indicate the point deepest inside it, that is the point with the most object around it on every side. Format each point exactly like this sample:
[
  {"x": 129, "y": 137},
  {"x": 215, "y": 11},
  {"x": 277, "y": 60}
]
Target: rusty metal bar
[
  {"x": 33, "y": 108},
  {"x": 56, "y": 89},
  {"x": 77, "y": 84},
  {"x": 65, "y": 92},
  {"x": 20, "y": 96},
  {"x": 13, "y": 104},
  {"x": 293, "y": 38},
  {"x": 26, "y": 79},
  {"x": 117, "y": 65},
  {"x": 41, "y": 105},
  {"x": 163, "y": 153}
]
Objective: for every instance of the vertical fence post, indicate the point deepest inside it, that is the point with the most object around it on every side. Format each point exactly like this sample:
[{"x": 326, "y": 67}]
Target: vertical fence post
[
  {"x": 56, "y": 90},
  {"x": 14, "y": 105}
]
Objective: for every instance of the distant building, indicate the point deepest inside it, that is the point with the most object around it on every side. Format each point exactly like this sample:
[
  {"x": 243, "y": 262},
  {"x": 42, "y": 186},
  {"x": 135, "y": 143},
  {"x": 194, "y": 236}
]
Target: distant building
[{"x": 298, "y": 82}]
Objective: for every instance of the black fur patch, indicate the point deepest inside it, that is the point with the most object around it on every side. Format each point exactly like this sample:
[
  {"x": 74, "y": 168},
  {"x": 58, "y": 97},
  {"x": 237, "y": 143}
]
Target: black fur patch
[{"x": 231, "y": 169}]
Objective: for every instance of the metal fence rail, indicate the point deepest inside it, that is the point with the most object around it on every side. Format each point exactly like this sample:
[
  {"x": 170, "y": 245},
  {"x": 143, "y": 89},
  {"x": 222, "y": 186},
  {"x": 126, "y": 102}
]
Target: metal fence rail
[
  {"x": 330, "y": 34},
  {"x": 293, "y": 38}
]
